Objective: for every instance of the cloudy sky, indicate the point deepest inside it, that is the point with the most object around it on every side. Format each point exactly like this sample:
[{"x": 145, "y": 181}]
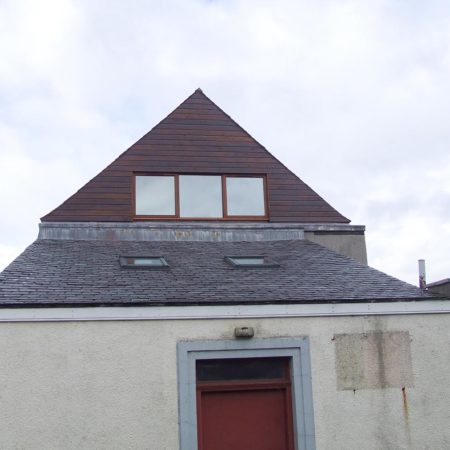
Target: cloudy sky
[{"x": 353, "y": 96}]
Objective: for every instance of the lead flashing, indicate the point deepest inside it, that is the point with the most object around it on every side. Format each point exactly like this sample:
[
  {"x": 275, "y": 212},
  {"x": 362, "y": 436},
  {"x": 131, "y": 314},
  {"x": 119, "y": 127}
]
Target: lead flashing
[
  {"x": 187, "y": 231},
  {"x": 164, "y": 231}
]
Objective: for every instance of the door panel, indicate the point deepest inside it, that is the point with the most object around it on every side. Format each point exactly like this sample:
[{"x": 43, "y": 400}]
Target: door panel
[{"x": 250, "y": 420}]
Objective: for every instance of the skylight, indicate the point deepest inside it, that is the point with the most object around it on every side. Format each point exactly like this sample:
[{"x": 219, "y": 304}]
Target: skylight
[
  {"x": 251, "y": 261},
  {"x": 143, "y": 262}
]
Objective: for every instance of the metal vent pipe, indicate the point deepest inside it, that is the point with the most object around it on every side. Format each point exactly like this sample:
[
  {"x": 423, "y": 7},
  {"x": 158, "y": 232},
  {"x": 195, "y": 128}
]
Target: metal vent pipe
[{"x": 422, "y": 275}]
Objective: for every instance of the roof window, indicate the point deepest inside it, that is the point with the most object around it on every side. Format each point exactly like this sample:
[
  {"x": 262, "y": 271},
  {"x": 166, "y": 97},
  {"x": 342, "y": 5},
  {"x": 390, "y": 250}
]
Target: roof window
[
  {"x": 251, "y": 261},
  {"x": 143, "y": 262}
]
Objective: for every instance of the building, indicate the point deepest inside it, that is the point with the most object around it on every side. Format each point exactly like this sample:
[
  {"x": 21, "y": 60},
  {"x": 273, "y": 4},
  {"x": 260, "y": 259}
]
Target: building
[
  {"x": 441, "y": 287},
  {"x": 197, "y": 294}
]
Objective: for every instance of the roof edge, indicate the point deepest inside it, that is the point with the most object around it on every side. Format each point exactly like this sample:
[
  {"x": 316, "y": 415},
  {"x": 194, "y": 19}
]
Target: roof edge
[
  {"x": 89, "y": 312},
  {"x": 438, "y": 283}
]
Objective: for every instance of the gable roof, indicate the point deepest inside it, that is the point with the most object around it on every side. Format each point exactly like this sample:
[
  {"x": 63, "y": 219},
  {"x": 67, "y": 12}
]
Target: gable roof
[
  {"x": 197, "y": 137},
  {"x": 81, "y": 272}
]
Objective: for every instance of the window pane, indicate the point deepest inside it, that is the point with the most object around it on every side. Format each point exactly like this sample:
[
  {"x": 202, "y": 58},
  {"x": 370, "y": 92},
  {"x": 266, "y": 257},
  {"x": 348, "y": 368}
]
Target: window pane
[
  {"x": 143, "y": 261},
  {"x": 241, "y": 369},
  {"x": 248, "y": 261},
  {"x": 245, "y": 196},
  {"x": 251, "y": 261},
  {"x": 200, "y": 196},
  {"x": 155, "y": 195}
]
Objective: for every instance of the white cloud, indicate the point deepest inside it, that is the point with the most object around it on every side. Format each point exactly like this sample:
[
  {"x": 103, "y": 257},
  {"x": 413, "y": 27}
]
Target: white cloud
[
  {"x": 8, "y": 253},
  {"x": 352, "y": 96}
]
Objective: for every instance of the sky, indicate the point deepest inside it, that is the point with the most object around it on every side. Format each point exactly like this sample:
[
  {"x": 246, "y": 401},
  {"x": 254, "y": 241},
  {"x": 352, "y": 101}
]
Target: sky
[{"x": 353, "y": 96}]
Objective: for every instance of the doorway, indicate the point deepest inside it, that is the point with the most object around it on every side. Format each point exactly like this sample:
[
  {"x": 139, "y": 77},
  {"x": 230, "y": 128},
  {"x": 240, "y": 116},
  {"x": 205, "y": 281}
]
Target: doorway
[
  {"x": 244, "y": 403},
  {"x": 236, "y": 394}
]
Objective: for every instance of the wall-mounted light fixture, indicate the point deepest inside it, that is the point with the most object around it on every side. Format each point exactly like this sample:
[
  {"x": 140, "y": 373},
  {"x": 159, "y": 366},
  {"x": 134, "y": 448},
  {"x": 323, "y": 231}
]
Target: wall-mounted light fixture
[{"x": 244, "y": 332}]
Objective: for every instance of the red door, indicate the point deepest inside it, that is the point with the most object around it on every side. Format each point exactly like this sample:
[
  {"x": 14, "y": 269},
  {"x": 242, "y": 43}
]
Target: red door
[{"x": 244, "y": 404}]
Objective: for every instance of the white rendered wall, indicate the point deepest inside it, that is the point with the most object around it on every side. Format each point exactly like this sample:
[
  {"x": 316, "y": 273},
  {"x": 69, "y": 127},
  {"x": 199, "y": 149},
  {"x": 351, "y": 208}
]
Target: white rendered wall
[{"x": 113, "y": 384}]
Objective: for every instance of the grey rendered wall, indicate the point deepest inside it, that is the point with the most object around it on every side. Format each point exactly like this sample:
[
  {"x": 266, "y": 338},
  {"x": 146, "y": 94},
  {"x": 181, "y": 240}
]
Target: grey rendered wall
[
  {"x": 441, "y": 289},
  {"x": 348, "y": 244},
  {"x": 113, "y": 385}
]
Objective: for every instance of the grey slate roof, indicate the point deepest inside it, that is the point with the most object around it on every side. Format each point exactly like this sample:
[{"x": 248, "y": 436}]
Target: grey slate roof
[{"x": 76, "y": 272}]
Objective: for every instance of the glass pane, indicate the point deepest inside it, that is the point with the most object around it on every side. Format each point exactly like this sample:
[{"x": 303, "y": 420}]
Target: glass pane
[
  {"x": 150, "y": 261},
  {"x": 248, "y": 261},
  {"x": 200, "y": 196},
  {"x": 241, "y": 369},
  {"x": 245, "y": 196},
  {"x": 155, "y": 195}
]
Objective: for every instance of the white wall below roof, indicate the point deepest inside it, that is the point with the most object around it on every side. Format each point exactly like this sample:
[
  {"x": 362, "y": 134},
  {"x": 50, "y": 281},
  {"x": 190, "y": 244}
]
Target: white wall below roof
[{"x": 113, "y": 384}]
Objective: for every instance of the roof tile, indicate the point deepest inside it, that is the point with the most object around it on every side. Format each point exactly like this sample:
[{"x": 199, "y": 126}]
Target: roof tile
[{"x": 61, "y": 272}]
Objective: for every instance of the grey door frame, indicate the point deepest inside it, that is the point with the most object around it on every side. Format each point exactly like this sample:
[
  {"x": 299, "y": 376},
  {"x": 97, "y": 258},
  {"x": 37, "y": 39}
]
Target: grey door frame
[{"x": 297, "y": 349}]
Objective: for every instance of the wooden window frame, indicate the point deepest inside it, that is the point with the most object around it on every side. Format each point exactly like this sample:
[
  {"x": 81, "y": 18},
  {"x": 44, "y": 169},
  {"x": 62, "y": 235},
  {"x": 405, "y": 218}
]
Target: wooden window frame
[{"x": 225, "y": 215}]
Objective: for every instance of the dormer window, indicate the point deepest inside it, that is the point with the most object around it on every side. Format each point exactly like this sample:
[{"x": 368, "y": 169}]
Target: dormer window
[{"x": 200, "y": 197}]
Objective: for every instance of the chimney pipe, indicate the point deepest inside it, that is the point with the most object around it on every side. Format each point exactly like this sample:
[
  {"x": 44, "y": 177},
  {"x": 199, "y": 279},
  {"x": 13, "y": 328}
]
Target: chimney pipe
[{"x": 422, "y": 275}]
